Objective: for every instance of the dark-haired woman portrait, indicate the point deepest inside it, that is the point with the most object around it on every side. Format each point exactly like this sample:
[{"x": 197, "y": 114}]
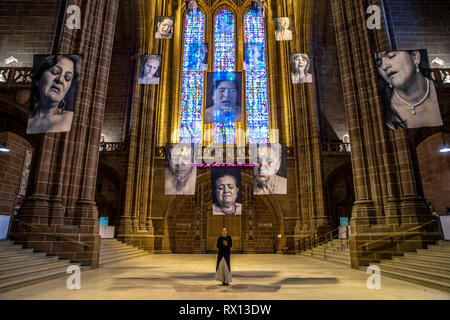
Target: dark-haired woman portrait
[
  {"x": 53, "y": 93},
  {"x": 408, "y": 93}
]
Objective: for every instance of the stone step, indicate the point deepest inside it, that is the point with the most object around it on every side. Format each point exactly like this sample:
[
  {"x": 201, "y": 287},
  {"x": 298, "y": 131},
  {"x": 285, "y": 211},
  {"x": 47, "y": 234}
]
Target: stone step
[
  {"x": 5, "y": 277},
  {"x": 27, "y": 263},
  {"x": 14, "y": 253},
  {"x": 20, "y": 257},
  {"x": 344, "y": 261},
  {"x": 423, "y": 259},
  {"x": 118, "y": 254},
  {"x": 444, "y": 243},
  {"x": 333, "y": 250},
  {"x": 419, "y": 272},
  {"x": 30, "y": 279},
  {"x": 418, "y": 265},
  {"x": 322, "y": 252},
  {"x": 445, "y": 249},
  {"x": 415, "y": 279},
  {"x": 117, "y": 250},
  {"x": 432, "y": 254},
  {"x": 123, "y": 257},
  {"x": 11, "y": 247}
]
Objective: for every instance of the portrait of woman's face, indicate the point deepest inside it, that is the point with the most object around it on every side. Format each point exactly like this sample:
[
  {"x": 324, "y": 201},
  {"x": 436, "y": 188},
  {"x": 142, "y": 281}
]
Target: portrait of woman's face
[
  {"x": 56, "y": 82},
  {"x": 226, "y": 190},
  {"x": 151, "y": 67},
  {"x": 300, "y": 63},
  {"x": 397, "y": 67}
]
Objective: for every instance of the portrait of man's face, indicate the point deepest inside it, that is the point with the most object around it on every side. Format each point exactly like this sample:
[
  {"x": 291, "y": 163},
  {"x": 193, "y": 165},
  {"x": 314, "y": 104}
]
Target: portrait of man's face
[
  {"x": 223, "y": 97},
  {"x": 269, "y": 161},
  {"x": 180, "y": 170},
  {"x": 164, "y": 27},
  {"x": 270, "y": 173},
  {"x": 283, "y": 23}
]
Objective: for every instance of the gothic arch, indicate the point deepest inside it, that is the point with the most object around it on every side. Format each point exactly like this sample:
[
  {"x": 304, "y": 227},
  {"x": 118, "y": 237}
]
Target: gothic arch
[{"x": 193, "y": 239}]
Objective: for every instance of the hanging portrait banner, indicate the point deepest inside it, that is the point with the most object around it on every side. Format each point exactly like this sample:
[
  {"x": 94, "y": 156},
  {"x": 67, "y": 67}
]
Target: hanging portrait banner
[
  {"x": 53, "y": 92},
  {"x": 270, "y": 176},
  {"x": 407, "y": 90},
  {"x": 254, "y": 57},
  {"x": 164, "y": 27},
  {"x": 149, "y": 69},
  {"x": 197, "y": 59},
  {"x": 180, "y": 169},
  {"x": 301, "y": 68},
  {"x": 283, "y": 29},
  {"x": 226, "y": 191},
  {"x": 223, "y": 97},
  {"x": 25, "y": 173}
]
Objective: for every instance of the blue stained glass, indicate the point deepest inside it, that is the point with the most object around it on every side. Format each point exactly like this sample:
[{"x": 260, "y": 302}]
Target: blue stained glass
[
  {"x": 192, "y": 83},
  {"x": 256, "y": 81},
  {"x": 224, "y": 61}
]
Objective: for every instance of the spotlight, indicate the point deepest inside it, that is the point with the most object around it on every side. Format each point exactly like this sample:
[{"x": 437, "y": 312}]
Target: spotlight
[
  {"x": 444, "y": 149},
  {"x": 4, "y": 148}
]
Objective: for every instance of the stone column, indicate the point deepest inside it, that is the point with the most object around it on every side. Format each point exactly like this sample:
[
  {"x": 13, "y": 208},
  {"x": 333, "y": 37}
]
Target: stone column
[
  {"x": 387, "y": 197},
  {"x": 59, "y": 216}
]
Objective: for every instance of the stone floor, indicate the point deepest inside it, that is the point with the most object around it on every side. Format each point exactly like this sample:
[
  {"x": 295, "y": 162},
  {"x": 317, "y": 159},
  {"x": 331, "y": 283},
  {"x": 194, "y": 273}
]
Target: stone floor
[{"x": 165, "y": 277}]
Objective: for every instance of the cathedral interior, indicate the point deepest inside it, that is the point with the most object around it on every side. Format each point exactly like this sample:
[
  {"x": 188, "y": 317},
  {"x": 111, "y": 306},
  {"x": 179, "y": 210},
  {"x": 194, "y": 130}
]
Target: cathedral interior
[{"x": 348, "y": 178}]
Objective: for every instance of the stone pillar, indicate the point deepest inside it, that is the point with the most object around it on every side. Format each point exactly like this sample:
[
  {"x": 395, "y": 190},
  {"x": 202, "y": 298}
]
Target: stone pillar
[
  {"x": 150, "y": 126},
  {"x": 59, "y": 215},
  {"x": 387, "y": 197}
]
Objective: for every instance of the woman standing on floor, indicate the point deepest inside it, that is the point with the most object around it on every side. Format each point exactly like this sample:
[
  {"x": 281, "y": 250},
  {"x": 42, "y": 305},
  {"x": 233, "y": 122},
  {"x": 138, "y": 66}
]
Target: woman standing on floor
[{"x": 223, "y": 268}]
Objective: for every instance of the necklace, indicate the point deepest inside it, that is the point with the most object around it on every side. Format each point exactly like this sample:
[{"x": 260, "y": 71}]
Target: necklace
[
  {"x": 413, "y": 106},
  {"x": 235, "y": 208}
]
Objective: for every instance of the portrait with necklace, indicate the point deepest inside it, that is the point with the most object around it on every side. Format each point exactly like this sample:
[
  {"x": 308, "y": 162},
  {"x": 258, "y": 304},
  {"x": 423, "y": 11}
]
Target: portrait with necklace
[
  {"x": 226, "y": 193},
  {"x": 53, "y": 93},
  {"x": 408, "y": 93}
]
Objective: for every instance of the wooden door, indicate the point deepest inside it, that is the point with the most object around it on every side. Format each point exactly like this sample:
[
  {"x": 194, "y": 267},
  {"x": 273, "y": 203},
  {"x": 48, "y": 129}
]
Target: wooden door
[{"x": 214, "y": 227}]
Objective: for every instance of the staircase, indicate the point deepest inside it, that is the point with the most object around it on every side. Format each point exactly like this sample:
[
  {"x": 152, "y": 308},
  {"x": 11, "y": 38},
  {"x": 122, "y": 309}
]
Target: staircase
[
  {"x": 335, "y": 250},
  {"x": 428, "y": 267},
  {"x": 22, "y": 267},
  {"x": 112, "y": 250}
]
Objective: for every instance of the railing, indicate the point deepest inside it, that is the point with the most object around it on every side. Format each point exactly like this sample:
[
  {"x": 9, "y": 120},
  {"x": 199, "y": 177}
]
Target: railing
[
  {"x": 160, "y": 151},
  {"x": 314, "y": 241},
  {"x": 85, "y": 245},
  {"x": 113, "y": 146},
  {"x": 17, "y": 77},
  {"x": 336, "y": 147},
  {"x": 391, "y": 236}
]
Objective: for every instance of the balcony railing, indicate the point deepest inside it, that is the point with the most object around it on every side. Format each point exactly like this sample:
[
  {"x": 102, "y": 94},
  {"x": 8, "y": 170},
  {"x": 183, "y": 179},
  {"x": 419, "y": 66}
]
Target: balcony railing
[
  {"x": 15, "y": 77},
  {"x": 113, "y": 146},
  {"x": 336, "y": 147}
]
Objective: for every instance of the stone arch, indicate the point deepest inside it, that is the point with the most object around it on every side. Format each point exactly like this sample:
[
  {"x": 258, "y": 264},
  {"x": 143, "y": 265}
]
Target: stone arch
[
  {"x": 339, "y": 192},
  {"x": 108, "y": 193},
  {"x": 189, "y": 213}
]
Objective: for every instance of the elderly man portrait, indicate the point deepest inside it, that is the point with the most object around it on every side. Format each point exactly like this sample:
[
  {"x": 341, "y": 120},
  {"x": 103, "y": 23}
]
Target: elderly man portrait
[
  {"x": 181, "y": 171},
  {"x": 269, "y": 176},
  {"x": 226, "y": 184}
]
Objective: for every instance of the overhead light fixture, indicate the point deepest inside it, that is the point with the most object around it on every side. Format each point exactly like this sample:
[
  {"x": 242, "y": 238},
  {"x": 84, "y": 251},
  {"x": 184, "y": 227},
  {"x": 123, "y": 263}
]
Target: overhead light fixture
[{"x": 4, "y": 148}]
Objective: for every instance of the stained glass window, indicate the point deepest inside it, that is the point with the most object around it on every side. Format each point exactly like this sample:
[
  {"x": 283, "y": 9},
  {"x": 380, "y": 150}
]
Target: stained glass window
[
  {"x": 256, "y": 79},
  {"x": 192, "y": 83},
  {"x": 224, "y": 61}
]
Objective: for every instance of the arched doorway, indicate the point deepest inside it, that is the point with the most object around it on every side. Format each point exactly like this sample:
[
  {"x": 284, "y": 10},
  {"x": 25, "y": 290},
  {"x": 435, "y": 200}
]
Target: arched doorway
[
  {"x": 107, "y": 194},
  {"x": 340, "y": 193},
  {"x": 192, "y": 228}
]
